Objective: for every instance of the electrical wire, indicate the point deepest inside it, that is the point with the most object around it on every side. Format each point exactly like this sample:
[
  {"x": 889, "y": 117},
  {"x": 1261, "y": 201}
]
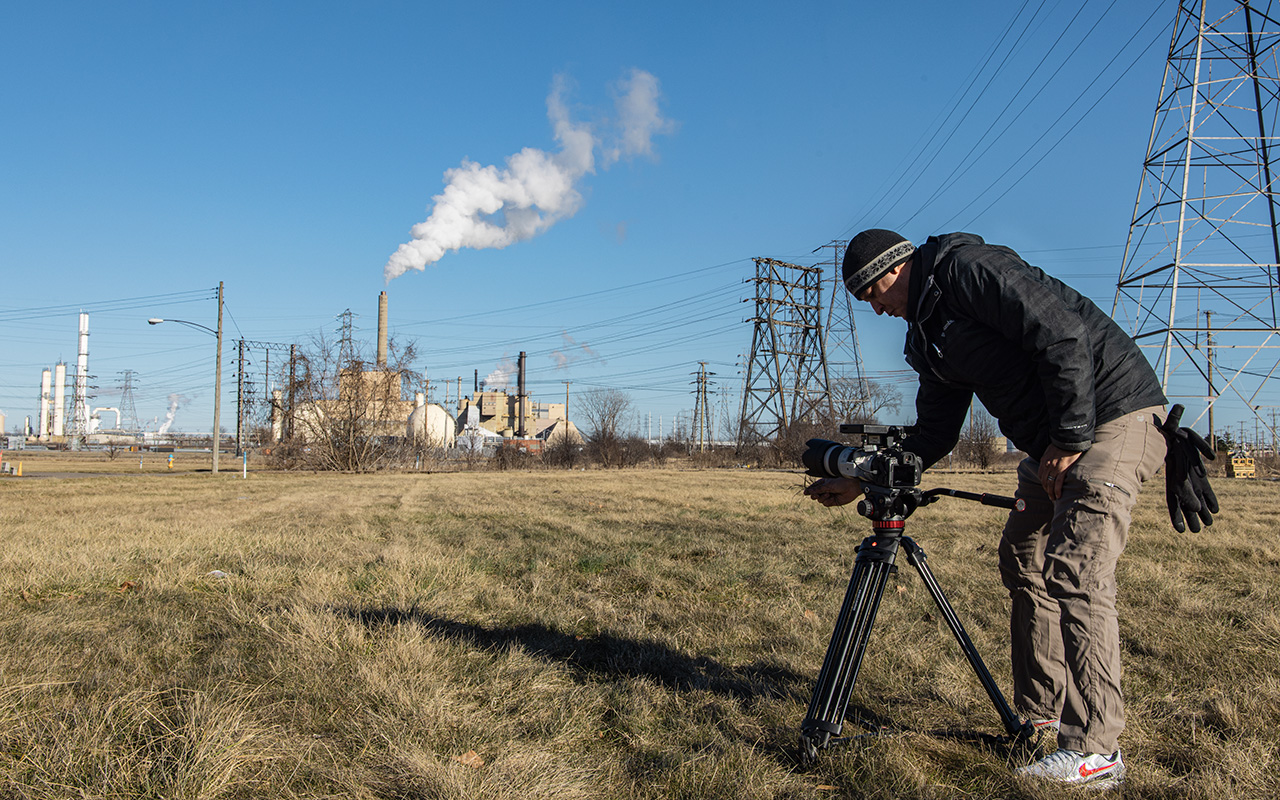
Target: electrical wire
[
  {"x": 1066, "y": 133},
  {"x": 40, "y": 312},
  {"x": 969, "y": 160}
]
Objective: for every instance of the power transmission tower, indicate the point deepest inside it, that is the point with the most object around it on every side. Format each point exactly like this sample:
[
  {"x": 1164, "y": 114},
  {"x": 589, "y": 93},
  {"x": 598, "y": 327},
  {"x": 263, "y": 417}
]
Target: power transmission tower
[
  {"x": 787, "y": 379},
  {"x": 128, "y": 412},
  {"x": 702, "y": 423},
  {"x": 346, "y": 340},
  {"x": 1203, "y": 238},
  {"x": 850, "y": 393}
]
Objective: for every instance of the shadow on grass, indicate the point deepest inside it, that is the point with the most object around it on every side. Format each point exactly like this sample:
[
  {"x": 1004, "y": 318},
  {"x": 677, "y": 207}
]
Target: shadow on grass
[{"x": 605, "y": 655}]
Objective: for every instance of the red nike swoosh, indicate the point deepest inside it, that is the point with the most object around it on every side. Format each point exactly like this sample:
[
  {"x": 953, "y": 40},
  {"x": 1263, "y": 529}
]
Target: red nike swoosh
[{"x": 1085, "y": 772}]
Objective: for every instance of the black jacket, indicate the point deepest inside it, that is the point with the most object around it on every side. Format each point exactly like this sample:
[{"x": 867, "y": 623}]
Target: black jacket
[{"x": 1044, "y": 360}]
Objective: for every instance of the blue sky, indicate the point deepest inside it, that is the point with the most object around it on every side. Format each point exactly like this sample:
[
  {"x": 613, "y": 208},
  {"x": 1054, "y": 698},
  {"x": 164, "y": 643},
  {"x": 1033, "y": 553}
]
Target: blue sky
[{"x": 151, "y": 150}]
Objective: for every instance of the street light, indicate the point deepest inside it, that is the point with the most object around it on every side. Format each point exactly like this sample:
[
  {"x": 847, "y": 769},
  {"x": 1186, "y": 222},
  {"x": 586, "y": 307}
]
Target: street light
[{"x": 217, "y": 377}]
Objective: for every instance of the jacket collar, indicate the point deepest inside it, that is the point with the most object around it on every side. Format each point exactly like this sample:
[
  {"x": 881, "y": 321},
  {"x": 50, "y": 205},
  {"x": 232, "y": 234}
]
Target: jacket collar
[{"x": 922, "y": 292}]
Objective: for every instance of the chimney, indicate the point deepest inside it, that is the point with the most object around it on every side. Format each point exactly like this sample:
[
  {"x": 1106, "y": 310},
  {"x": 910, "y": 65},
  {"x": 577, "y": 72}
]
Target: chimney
[
  {"x": 520, "y": 400},
  {"x": 46, "y": 384},
  {"x": 59, "y": 397},
  {"x": 382, "y": 329}
]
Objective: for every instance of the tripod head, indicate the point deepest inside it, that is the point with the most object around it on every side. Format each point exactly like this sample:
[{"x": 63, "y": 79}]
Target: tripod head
[{"x": 890, "y": 476}]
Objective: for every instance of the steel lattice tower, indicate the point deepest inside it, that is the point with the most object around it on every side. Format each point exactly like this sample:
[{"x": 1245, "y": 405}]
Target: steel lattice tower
[
  {"x": 346, "y": 339},
  {"x": 787, "y": 379},
  {"x": 128, "y": 412},
  {"x": 1200, "y": 268},
  {"x": 702, "y": 421},
  {"x": 844, "y": 354}
]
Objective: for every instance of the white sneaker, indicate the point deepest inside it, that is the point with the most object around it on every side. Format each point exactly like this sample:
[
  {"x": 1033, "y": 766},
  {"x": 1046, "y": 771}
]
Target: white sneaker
[{"x": 1070, "y": 766}]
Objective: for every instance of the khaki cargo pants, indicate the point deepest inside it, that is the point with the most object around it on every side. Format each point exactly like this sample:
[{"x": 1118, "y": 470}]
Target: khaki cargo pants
[{"x": 1058, "y": 561}]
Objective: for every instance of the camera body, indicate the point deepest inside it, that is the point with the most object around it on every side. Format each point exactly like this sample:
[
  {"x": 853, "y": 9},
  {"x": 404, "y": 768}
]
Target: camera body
[
  {"x": 878, "y": 461},
  {"x": 889, "y": 465}
]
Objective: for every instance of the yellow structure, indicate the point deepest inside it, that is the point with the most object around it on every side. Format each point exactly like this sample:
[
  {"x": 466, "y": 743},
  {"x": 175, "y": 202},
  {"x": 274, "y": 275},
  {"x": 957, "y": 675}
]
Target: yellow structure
[{"x": 1240, "y": 466}]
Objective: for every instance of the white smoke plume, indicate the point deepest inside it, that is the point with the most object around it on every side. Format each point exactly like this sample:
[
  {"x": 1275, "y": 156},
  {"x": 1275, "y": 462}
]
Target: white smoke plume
[
  {"x": 571, "y": 352},
  {"x": 487, "y": 207},
  {"x": 501, "y": 377},
  {"x": 176, "y": 401}
]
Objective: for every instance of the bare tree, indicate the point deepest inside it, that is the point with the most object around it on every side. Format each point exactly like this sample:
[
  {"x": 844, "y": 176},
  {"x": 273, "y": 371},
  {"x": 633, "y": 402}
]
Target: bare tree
[
  {"x": 604, "y": 410},
  {"x": 351, "y": 414},
  {"x": 977, "y": 444},
  {"x": 852, "y": 404}
]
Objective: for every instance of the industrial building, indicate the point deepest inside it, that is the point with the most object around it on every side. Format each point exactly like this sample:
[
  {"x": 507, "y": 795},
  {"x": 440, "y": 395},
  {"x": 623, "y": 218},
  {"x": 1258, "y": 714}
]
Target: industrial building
[{"x": 373, "y": 399}]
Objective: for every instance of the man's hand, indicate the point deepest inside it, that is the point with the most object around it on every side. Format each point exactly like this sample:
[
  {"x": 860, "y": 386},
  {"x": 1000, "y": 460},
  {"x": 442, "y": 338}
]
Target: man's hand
[
  {"x": 1053, "y": 467},
  {"x": 834, "y": 491}
]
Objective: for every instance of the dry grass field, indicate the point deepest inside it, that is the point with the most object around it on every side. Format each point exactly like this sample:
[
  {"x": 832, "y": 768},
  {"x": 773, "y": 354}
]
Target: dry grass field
[{"x": 636, "y": 634}]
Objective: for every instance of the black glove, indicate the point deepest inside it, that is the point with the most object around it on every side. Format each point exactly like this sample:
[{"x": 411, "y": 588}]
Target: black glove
[{"x": 1187, "y": 488}]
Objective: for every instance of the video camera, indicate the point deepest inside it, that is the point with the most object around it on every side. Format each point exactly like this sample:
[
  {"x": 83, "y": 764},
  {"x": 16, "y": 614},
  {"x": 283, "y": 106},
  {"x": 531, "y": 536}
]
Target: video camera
[
  {"x": 878, "y": 461},
  {"x": 889, "y": 475}
]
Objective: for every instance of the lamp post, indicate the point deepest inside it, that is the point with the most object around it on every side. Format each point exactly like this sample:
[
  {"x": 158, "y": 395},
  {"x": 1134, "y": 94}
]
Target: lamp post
[{"x": 217, "y": 377}]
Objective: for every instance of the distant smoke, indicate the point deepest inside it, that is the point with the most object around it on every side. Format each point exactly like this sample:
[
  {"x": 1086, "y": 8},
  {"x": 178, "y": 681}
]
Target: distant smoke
[
  {"x": 501, "y": 377},
  {"x": 487, "y": 207},
  {"x": 571, "y": 352},
  {"x": 176, "y": 401}
]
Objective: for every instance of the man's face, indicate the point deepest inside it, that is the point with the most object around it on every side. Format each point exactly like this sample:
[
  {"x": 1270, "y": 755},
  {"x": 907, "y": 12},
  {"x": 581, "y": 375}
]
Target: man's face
[{"x": 888, "y": 295}]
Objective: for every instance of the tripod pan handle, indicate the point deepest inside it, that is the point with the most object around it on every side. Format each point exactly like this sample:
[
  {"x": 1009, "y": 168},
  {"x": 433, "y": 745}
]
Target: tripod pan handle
[{"x": 997, "y": 500}]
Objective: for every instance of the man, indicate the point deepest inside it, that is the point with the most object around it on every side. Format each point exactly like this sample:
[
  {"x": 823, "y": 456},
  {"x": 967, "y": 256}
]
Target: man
[{"x": 1071, "y": 390}]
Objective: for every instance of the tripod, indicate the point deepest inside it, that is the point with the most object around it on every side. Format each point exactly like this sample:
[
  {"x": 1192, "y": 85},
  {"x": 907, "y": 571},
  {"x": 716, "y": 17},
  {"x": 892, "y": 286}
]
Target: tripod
[{"x": 888, "y": 509}]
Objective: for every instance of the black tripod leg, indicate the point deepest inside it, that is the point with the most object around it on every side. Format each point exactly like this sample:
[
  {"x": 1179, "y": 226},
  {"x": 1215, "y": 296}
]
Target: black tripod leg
[
  {"x": 1012, "y": 725},
  {"x": 871, "y": 572}
]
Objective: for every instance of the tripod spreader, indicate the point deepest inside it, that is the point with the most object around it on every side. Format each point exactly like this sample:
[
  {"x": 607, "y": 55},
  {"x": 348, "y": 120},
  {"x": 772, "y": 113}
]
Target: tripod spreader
[{"x": 874, "y": 564}]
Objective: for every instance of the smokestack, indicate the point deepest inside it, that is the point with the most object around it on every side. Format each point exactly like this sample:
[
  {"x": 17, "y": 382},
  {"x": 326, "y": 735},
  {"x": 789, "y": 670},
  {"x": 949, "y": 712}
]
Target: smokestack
[
  {"x": 59, "y": 397},
  {"x": 277, "y": 415},
  {"x": 382, "y": 329},
  {"x": 80, "y": 401},
  {"x": 520, "y": 431},
  {"x": 46, "y": 381},
  {"x": 477, "y": 389}
]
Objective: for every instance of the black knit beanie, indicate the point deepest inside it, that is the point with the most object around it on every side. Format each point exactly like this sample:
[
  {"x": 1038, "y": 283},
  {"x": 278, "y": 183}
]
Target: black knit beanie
[{"x": 870, "y": 255}]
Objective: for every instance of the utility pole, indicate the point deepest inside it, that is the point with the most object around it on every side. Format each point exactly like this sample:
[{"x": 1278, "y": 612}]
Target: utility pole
[
  {"x": 566, "y": 406},
  {"x": 1208, "y": 352},
  {"x": 217, "y": 389},
  {"x": 701, "y": 409},
  {"x": 293, "y": 389},
  {"x": 240, "y": 402}
]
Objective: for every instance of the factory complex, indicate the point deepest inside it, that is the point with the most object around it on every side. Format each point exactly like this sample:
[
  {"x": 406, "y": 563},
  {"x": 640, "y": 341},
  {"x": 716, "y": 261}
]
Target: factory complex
[{"x": 375, "y": 401}]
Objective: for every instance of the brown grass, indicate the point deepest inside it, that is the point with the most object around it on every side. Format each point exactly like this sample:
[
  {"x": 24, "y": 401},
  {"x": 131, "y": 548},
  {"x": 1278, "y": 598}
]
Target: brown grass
[{"x": 636, "y": 634}]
